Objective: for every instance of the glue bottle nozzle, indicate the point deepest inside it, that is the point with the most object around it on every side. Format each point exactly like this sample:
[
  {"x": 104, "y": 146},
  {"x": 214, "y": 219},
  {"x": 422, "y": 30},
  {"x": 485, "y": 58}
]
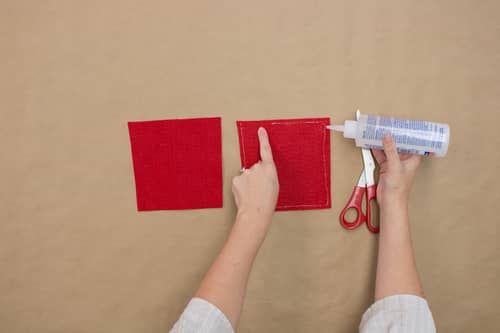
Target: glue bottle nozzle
[{"x": 338, "y": 128}]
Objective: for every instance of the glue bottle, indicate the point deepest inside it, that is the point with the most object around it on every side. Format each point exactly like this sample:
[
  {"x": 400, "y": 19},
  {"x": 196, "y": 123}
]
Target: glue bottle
[{"x": 410, "y": 136}]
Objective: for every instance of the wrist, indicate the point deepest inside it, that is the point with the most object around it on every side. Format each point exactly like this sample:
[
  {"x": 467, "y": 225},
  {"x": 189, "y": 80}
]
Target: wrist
[
  {"x": 254, "y": 223},
  {"x": 397, "y": 202},
  {"x": 249, "y": 231},
  {"x": 391, "y": 197},
  {"x": 254, "y": 216}
]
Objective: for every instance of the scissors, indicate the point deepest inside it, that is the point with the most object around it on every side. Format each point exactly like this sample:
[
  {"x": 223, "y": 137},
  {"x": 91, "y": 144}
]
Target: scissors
[{"x": 367, "y": 188}]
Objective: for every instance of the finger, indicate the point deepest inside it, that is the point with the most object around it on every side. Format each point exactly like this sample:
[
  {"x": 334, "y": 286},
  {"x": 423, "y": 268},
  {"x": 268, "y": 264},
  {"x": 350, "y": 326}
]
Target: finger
[
  {"x": 379, "y": 156},
  {"x": 234, "y": 190},
  {"x": 390, "y": 150},
  {"x": 404, "y": 156},
  {"x": 413, "y": 161},
  {"x": 266, "y": 153}
]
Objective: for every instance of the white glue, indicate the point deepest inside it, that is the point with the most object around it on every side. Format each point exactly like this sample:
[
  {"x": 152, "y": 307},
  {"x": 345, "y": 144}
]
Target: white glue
[{"x": 410, "y": 136}]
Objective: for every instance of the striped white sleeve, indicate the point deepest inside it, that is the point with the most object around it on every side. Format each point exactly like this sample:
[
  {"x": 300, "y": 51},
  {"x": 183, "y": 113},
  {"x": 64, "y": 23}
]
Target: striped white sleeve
[
  {"x": 398, "y": 314},
  {"x": 201, "y": 316}
]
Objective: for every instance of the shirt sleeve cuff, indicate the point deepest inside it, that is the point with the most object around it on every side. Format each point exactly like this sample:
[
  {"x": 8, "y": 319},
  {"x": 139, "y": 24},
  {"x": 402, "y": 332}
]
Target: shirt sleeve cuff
[
  {"x": 398, "y": 313},
  {"x": 201, "y": 316}
]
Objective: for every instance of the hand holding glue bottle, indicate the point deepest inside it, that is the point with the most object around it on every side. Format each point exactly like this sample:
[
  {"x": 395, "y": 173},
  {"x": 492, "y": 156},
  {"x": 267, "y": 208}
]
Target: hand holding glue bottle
[{"x": 410, "y": 136}]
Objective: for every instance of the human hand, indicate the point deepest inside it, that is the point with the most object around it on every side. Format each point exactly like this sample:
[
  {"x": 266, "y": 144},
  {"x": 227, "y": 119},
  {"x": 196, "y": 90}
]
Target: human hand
[
  {"x": 396, "y": 174},
  {"x": 256, "y": 189}
]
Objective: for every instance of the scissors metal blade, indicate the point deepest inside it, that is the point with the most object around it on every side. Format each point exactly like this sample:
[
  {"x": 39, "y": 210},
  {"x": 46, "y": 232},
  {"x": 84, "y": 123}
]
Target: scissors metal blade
[
  {"x": 369, "y": 164},
  {"x": 362, "y": 179}
]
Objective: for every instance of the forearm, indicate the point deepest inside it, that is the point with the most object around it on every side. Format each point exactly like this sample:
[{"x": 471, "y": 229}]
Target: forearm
[
  {"x": 225, "y": 283},
  {"x": 396, "y": 268}
]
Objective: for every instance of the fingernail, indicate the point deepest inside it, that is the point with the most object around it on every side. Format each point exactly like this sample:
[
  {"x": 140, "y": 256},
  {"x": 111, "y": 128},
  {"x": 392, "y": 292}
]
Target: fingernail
[{"x": 261, "y": 131}]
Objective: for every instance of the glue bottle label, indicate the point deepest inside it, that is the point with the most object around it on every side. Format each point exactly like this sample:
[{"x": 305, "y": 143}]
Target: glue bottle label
[{"x": 410, "y": 136}]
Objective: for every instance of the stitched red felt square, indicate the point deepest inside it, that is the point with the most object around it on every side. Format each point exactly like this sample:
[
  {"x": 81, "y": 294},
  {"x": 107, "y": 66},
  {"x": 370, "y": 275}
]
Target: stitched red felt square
[
  {"x": 301, "y": 152},
  {"x": 177, "y": 163}
]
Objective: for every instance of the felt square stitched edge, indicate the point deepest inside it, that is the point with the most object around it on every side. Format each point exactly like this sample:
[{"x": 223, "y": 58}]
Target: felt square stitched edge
[
  {"x": 177, "y": 163},
  {"x": 301, "y": 152}
]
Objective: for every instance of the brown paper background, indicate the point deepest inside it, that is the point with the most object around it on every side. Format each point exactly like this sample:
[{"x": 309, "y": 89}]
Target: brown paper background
[{"x": 75, "y": 255}]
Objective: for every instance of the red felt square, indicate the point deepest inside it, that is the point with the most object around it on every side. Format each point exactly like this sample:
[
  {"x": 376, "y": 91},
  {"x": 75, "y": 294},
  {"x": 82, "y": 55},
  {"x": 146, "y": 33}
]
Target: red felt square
[
  {"x": 177, "y": 163},
  {"x": 301, "y": 152}
]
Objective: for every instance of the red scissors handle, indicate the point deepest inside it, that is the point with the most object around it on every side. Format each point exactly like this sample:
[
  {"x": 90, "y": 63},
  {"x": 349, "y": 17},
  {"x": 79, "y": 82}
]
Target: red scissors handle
[
  {"x": 355, "y": 202},
  {"x": 371, "y": 194}
]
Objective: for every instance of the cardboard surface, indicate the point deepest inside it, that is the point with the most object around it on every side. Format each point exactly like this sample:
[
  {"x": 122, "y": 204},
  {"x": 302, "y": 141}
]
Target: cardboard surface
[{"x": 77, "y": 257}]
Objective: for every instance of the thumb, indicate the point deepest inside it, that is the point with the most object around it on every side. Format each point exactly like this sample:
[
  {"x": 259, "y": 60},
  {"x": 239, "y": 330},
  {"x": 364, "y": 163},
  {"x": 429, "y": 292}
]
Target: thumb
[{"x": 390, "y": 150}]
